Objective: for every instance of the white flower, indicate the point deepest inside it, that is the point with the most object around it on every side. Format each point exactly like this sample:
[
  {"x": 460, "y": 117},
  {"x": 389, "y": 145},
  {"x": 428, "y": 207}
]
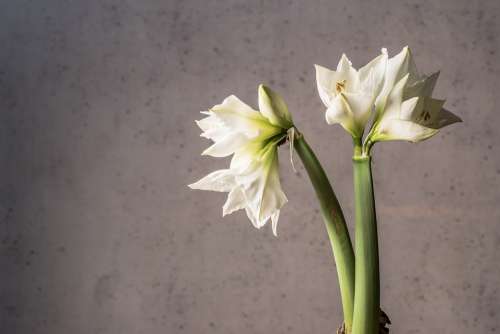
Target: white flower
[
  {"x": 349, "y": 94},
  {"x": 404, "y": 108},
  {"x": 252, "y": 137}
]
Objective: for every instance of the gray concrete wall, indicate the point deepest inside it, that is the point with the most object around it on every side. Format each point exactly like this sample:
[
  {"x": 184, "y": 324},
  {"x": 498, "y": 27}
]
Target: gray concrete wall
[{"x": 99, "y": 233}]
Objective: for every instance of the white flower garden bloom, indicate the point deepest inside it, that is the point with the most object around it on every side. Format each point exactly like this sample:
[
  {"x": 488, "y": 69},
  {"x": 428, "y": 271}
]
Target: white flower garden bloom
[
  {"x": 252, "y": 137},
  {"x": 404, "y": 108},
  {"x": 349, "y": 94}
]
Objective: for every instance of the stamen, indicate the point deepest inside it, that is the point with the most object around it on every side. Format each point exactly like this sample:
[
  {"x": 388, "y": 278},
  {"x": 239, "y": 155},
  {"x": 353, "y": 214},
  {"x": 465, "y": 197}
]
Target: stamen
[
  {"x": 340, "y": 86},
  {"x": 425, "y": 115}
]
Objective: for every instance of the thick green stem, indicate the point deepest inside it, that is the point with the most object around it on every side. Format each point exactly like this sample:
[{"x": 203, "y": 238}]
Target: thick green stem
[
  {"x": 367, "y": 280},
  {"x": 335, "y": 226}
]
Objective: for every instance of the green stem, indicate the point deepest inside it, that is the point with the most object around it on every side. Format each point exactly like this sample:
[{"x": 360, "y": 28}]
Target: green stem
[
  {"x": 335, "y": 226},
  {"x": 367, "y": 280}
]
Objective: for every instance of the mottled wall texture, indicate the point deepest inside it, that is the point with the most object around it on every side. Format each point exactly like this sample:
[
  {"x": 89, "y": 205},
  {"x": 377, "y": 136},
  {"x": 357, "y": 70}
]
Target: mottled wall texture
[{"x": 100, "y": 234}]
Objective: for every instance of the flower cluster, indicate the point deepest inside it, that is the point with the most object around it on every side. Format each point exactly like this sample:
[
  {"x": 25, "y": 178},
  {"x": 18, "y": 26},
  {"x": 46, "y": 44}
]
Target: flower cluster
[
  {"x": 252, "y": 138},
  {"x": 392, "y": 89}
]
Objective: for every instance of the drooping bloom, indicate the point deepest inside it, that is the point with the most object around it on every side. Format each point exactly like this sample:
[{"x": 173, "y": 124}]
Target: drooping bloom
[
  {"x": 348, "y": 94},
  {"x": 405, "y": 109},
  {"x": 252, "y": 137}
]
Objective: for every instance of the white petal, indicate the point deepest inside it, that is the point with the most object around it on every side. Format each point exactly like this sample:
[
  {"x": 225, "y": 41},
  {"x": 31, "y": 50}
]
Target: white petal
[
  {"x": 326, "y": 80},
  {"x": 422, "y": 87},
  {"x": 216, "y": 134},
  {"x": 274, "y": 221},
  {"x": 245, "y": 156},
  {"x": 392, "y": 107},
  {"x": 212, "y": 128},
  {"x": 234, "y": 105},
  {"x": 411, "y": 68},
  {"x": 397, "y": 66},
  {"x": 209, "y": 122},
  {"x": 360, "y": 106},
  {"x": 273, "y": 197},
  {"x": 395, "y": 129},
  {"x": 396, "y": 69},
  {"x": 352, "y": 111},
  {"x": 445, "y": 118},
  {"x": 433, "y": 115},
  {"x": 253, "y": 218},
  {"x": 262, "y": 186},
  {"x": 408, "y": 108},
  {"x": 348, "y": 73},
  {"x": 371, "y": 75},
  {"x": 238, "y": 116},
  {"x": 235, "y": 201},
  {"x": 220, "y": 180},
  {"x": 430, "y": 83},
  {"x": 338, "y": 112},
  {"x": 226, "y": 146},
  {"x": 390, "y": 111},
  {"x": 344, "y": 64}
]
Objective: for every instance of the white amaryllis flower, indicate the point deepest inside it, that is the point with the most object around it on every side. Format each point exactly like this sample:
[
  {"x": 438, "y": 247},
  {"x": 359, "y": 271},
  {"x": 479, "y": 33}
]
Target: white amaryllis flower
[
  {"x": 252, "y": 137},
  {"x": 349, "y": 94},
  {"x": 404, "y": 108}
]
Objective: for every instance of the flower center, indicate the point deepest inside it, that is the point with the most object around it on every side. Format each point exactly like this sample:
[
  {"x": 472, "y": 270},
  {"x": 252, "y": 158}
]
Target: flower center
[{"x": 340, "y": 86}]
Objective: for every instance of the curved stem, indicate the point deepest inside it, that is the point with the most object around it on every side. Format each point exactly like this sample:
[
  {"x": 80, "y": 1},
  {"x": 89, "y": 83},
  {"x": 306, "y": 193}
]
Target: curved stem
[
  {"x": 335, "y": 226},
  {"x": 367, "y": 280}
]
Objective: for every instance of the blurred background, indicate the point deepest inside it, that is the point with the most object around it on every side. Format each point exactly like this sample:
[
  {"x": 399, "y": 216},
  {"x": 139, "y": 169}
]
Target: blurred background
[{"x": 100, "y": 234}]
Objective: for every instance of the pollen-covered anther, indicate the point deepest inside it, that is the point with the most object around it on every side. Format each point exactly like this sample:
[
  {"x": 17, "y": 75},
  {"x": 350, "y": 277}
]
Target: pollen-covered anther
[
  {"x": 425, "y": 115},
  {"x": 340, "y": 86}
]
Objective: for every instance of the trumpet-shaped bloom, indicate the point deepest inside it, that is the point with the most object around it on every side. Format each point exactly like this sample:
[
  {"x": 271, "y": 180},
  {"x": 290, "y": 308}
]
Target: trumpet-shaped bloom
[
  {"x": 404, "y": 108},
  {"x": 252, "y": 137},
  {"x": 349, "y": 94}
]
